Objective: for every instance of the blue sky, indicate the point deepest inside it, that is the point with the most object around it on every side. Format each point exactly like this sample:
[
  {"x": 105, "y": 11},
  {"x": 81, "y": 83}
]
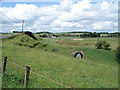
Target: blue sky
[
  {"x": 60, "y": 15},
  {"x": 54, "y": 0},
  {"x": 39, "y": 4},
  {"x": 12, "y": 3}
]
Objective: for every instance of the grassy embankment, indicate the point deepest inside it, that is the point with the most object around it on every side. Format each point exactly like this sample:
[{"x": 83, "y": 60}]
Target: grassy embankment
[{"x": 98, "y": 70}]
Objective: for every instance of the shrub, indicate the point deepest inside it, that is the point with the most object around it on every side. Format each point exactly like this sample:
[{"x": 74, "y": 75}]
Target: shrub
[
  {"x": 99, "y": 44},
  {"x": 103, "y": 45},
  {"x": 106, "y": 46},
  {"x": 117, "y": 52}
]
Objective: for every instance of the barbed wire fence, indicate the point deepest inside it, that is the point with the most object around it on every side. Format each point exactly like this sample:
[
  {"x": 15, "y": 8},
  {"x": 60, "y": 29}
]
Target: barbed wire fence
[{"x": 26, "y": 70}]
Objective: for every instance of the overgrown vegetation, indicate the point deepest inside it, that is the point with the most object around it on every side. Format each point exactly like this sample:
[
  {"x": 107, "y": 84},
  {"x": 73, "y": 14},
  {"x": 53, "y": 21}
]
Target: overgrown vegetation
[{"x": 102, "y": 45}]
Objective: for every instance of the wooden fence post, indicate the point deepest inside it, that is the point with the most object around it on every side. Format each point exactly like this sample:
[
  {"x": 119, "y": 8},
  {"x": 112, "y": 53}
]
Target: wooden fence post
[
  {"x": 27, "y": 70},
  {"x": 4, "y": 64}
]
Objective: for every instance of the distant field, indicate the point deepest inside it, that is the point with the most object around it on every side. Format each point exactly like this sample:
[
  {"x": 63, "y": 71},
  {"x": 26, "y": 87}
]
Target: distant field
[
  {"x": 5, "y": 33},
  {"x": 52, "y": 58},
  {"x": 87, "y": 42}
]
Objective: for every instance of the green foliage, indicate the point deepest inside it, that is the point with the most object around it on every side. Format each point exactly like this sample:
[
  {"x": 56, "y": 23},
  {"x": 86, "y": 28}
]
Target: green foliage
[
  {"x": 99, "y": 44},
  {"x": 90, "y": 34},
  {"x": 106, "y": 46},
  {"x": 118, "y": 54},
  {"x": 102, "y": 45}
]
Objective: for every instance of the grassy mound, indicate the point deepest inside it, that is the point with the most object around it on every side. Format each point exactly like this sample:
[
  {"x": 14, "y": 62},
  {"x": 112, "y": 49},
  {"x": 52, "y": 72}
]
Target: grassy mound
[{"x": 28, "y": 41}]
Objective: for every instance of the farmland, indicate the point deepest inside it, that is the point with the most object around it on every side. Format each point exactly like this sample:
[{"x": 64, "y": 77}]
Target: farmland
[{"x": 52, "y": 58}]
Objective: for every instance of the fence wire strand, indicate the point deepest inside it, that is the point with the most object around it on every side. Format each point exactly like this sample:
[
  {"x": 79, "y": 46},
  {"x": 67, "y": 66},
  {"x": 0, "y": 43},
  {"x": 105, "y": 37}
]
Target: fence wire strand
[
  {"x": 21, "y": 69},
  {"x": 17, "y": 64},
  {"x": 42, "y": 75},
  {"x": 51, "y": 79}
]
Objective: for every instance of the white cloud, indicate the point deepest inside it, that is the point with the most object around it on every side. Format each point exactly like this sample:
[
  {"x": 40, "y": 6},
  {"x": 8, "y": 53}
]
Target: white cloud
[
  {"x": 104, "y": 5},
  {"x": 65, "y": 5},
  {"x": 18, "y": 24},
  {"x": 66, "y": 16},
  {"x": 20, "y": 11},
  {"x": 105, "y": 25},
  {"x": 97, "y": 26},
  {"x": 71, "y": 25}
]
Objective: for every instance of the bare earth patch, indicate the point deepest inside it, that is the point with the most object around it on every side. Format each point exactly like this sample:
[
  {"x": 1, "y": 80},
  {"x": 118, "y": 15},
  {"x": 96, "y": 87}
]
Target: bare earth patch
[{"x": 76, "y": 39}]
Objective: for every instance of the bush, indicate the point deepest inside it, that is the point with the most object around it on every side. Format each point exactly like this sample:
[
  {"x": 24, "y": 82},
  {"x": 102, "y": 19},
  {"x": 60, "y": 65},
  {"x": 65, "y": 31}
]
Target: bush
[
  {"x": 102, "y": 45},
  {"x": 118, "y": 54},
  {"x": 106, "y": 46},
  {"x": 99, "y": 44}
]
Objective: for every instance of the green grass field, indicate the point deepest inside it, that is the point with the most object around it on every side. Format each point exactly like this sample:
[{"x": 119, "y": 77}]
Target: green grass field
[{"x": 52, "y": 58}]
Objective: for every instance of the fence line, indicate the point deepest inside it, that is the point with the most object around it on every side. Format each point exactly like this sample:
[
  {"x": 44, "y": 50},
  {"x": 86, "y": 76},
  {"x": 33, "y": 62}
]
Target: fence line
[
  {"x": 51, "y": 79},
  {"x": 38, "y": 78},
  {"x": 42, "y": 75},
  {"x": 16, "y": 64},
  {"x": 21, "y": 69}
]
